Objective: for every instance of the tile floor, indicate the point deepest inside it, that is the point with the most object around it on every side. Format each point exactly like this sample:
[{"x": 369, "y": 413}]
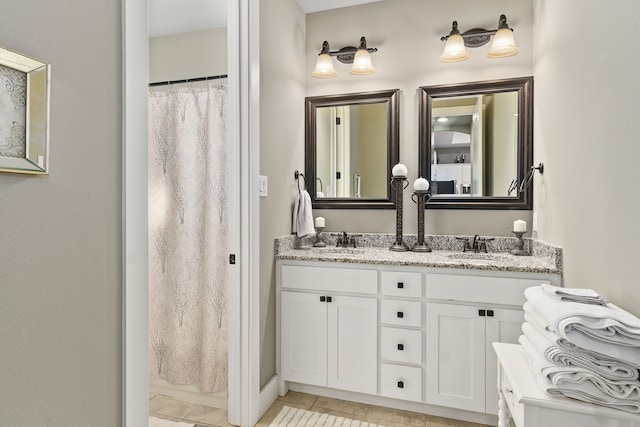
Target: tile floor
[{"x": 205, "y": 416}]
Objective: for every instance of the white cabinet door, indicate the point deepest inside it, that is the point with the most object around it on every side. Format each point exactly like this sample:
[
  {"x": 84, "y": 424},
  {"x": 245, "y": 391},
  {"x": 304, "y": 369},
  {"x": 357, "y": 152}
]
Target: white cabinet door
[
  {"x": 455, "y": 357},
  {"x": 502, "y": 325},
  {"x": 303, "y": 338},
  {"x": 352, "y": 344}
]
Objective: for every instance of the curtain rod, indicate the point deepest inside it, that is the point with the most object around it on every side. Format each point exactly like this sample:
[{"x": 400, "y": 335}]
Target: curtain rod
[{"x": 196, "y": 79}]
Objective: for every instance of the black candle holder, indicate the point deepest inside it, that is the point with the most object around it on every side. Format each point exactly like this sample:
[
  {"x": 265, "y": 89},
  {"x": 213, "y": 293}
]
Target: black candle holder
[
  {"x": 421, "y": 197},
  {"x": 319, "y": 243},
  {"x": 519, "y": 250},
  {"x": 399, "y": 183}
]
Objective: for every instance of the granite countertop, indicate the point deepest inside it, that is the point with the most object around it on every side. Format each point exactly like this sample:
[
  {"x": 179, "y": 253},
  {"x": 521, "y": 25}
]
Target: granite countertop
[{"x": 446, "y": 253}]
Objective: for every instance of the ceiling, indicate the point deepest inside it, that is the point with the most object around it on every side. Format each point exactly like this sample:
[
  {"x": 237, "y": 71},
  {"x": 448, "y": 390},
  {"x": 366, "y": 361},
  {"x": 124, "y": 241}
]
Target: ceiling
[{"x": 182, "y": 16}]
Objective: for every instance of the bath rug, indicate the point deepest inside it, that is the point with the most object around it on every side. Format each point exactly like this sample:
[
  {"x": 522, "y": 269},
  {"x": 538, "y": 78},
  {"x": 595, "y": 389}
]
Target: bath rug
[
  {"x": 293, "y": 417},
  {"x": 158, "y": 422}
]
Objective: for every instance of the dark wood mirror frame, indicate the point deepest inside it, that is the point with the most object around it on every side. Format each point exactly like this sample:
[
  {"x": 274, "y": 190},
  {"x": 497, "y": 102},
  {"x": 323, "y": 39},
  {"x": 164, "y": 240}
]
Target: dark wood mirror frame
[
  {"x": 524, "y": 87},
  {"x": 390, "y": 97}
]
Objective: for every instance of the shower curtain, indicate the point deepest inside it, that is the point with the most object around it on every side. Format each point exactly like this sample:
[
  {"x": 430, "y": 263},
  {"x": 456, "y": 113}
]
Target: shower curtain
[{"x": 188, "y": 230}]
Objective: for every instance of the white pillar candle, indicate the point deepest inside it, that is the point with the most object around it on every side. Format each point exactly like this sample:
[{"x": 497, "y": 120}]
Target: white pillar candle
[
  {"x": 421, "y": 184},
  {"x": 399, "y": 170},
  {"x": 319, "y": 222},
  {"x": 520, "y": 226}
]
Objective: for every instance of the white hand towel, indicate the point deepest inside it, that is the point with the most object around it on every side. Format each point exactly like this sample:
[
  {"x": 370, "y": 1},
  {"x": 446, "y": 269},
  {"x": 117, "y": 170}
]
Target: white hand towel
[
  {"x": 581, "y": 385},
  {"x": 608, "y": 330},
  {"x": 544, "y": 341},
  {"x": 585, "y": 296},
  {"x": 303, "y": 215}
]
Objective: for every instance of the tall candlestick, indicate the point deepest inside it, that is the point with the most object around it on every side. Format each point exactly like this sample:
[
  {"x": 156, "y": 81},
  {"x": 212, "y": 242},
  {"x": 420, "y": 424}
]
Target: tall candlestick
[{"x": 399, "y": 183}]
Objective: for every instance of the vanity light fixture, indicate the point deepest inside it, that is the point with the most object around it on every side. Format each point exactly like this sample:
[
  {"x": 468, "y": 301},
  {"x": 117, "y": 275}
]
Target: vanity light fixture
[
  {"x": 503, "y": 42},
  {"x": 359, "y": 57}
]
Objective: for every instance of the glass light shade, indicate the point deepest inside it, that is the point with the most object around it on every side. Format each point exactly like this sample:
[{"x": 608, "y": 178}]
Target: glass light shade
[
  {"x": 503, "y": 44},
  {"x": 454, "y": 49},
  {"x": 324, "y": 67},
  {"x": 362, "y": 63}
]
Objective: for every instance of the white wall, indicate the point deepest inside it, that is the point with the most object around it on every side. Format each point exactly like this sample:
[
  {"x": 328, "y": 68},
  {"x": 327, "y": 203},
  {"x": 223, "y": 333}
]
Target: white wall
[
  {"x": 60, "y": 235},
  {"x": 282, "y": 79},
  {"x": 407, "y": 34},
  {"x": 586, "y": 115}
]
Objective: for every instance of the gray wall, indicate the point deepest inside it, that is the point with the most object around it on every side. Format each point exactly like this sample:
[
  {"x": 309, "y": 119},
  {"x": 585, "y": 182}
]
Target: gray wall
[
  {"x": 586, "y": 114},
  {"x": 282, "y": 38},
  {"x": 61, "y": 272}
]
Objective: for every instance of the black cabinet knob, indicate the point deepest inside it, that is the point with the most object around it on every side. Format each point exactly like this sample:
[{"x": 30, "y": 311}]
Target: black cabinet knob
[
  {"x": 490, "y": 313},
  {"x": 400, "y": 285},
  {"x": 400, "y": 347},
  {"x": 322, "y": 299},
  {"x": 400, "y": 315},
  {"x": 481, "y": 313},
  {"x": 400, "y": 384},
  {"x": 328, "y": 299}
]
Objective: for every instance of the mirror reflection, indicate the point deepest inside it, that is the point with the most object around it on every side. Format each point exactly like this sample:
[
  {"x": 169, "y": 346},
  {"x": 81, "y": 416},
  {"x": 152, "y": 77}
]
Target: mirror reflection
[
  {"x": 476, "y": 143},
  {"x": 352, "y": 142}
]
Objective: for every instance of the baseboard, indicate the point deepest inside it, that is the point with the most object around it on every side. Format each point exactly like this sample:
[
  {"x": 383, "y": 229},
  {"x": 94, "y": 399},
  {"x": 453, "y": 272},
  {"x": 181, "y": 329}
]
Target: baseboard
[{"x": 268, "y": 395}]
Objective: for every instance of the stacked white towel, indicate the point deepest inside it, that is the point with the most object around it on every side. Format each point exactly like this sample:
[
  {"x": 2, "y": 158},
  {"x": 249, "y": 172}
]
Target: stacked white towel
[
  {"x": 302, "y": 224},
  {"x": 583, "y": 347}
]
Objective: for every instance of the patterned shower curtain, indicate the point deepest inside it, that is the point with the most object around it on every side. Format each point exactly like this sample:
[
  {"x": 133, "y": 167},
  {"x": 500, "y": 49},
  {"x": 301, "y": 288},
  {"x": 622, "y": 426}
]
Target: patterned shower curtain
[{"x": 188, "y": 230}]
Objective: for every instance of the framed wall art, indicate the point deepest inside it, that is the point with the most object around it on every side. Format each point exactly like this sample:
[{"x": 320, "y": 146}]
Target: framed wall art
[{"x": 24, "y": 113}]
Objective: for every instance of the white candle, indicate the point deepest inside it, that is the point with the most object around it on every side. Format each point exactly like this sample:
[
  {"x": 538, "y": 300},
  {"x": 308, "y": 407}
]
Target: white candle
[
  {"x": 520, "y": 226},
  {"x": 319, "y": 222},
  {"x": 399, "y": 170},
  {"x": 421, "y": 184}
]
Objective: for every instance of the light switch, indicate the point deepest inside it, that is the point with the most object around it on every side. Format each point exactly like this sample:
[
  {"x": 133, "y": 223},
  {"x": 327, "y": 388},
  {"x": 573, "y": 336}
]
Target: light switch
[
  {"x": 535, "y": 221},
  {"x": 264, "y": 186}
]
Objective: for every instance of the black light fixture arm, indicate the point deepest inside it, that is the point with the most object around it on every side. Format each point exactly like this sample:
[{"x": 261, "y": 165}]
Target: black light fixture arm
[
  {"x": 346, "y": 54},
  {"x": 477, "y": 37}
]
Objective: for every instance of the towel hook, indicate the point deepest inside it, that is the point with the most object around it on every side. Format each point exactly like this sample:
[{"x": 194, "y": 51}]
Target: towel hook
[
  {"x": 297, "y": 175},
  {"x": 527, "y": 181}
]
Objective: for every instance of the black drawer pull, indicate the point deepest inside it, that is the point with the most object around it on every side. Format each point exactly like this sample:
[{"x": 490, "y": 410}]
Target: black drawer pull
[
  {"x": 328, "y": 299},
  {"x": 400, "y": 315},
  {"x": 490, "y": 313},
  {"x": 481, "y": 313},
  {"x": 400, "y": 384},
  {"x": 400, "y": 347},
  {"x": 322, "y": 299},
  {"x": 400, "y": 285}
]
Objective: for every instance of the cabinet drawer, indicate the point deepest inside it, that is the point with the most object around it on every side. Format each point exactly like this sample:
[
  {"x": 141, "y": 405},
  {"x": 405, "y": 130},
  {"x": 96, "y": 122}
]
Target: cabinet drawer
[
  {"x": 401, "y": 382},
  {"x": 401, "y": 284},
  {"x": 401, "y": 345},
  {"x": 399, "y": 312},
  {"x": 328, "y": 279},
  {"x": 481, "y": 289}
]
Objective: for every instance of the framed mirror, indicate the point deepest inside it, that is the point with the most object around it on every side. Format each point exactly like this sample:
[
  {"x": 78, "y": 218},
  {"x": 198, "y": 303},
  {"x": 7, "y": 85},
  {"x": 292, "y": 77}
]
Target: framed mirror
[
  {"x": 352, "y": 142},
  {"x": 24, "y": 114},
  {"x": 476, "y": 143}
]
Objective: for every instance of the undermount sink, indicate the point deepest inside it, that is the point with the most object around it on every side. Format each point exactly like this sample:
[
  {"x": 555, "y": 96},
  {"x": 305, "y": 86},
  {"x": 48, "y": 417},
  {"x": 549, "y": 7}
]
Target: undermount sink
[{"x": 480, "y": 256}]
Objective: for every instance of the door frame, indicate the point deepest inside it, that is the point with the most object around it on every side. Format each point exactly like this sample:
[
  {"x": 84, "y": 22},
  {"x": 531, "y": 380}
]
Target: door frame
[{"x": 244, "y": 353}]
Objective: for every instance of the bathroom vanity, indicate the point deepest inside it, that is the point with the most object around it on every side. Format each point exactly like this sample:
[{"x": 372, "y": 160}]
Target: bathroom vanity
[{"x": 406, "y": 330}]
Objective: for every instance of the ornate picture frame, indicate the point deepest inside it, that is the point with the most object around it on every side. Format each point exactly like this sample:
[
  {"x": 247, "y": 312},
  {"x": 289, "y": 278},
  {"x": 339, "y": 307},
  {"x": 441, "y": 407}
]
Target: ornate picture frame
[{"x": 24, "y": 113}]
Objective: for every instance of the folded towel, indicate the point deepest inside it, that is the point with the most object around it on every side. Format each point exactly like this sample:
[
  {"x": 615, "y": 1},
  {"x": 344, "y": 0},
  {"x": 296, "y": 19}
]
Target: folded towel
[
  {"x": 580, "y": 384},
  {"x": 623, "y": 353},
  {"x": 544, "y": 341},
  {"x": 302, "y": 215},
  {"x": 608, "y": 330},
  {"x": 585, "y": 296}
]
